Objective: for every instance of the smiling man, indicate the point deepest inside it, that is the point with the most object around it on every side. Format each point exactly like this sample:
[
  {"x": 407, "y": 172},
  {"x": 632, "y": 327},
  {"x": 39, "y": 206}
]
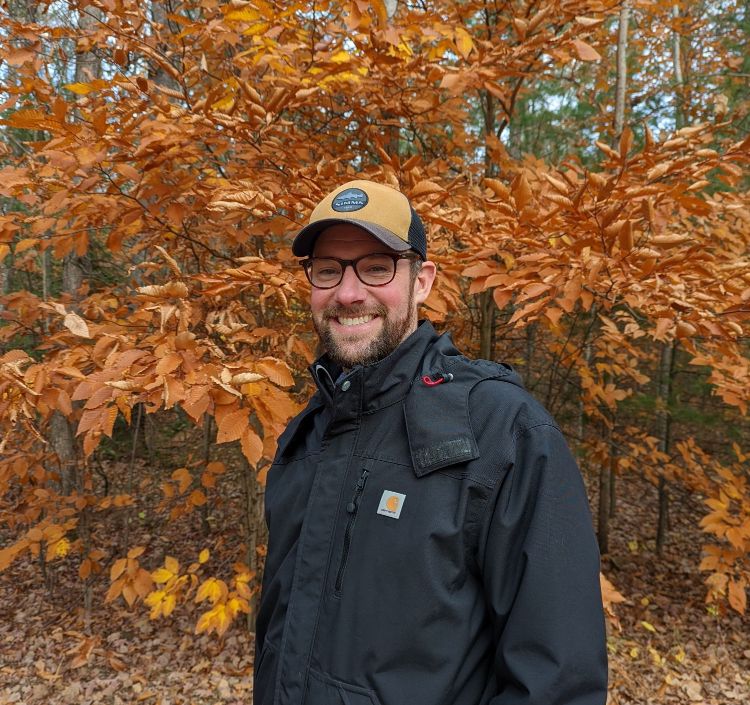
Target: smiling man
[{"x": 429, "y": 535}]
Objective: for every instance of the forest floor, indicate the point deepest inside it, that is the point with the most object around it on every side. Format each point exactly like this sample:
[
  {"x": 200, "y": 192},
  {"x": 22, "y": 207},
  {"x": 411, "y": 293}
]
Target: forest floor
[{"x": 671, "y": 648}]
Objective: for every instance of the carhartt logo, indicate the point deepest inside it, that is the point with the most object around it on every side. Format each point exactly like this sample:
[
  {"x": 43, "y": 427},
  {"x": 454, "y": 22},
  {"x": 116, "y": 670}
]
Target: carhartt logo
[{"x": 391, "y": 504}]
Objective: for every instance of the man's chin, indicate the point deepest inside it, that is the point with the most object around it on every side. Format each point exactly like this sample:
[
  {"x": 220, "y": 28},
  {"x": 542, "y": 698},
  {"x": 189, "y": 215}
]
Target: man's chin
[{"x": 349, "y": 351}]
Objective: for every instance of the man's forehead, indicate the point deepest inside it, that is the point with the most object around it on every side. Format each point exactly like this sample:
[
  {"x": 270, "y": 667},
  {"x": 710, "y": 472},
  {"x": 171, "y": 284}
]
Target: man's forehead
[{"x": 344, "y": 234}]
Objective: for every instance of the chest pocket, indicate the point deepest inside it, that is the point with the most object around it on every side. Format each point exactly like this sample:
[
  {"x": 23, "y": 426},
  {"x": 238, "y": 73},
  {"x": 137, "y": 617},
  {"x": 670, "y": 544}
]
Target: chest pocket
[{"x": 437, "y": 416}]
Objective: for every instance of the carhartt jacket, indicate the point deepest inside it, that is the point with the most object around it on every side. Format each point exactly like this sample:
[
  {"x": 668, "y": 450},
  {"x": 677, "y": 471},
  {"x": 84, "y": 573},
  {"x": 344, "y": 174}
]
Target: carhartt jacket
[{"x": 430, "y": 543}]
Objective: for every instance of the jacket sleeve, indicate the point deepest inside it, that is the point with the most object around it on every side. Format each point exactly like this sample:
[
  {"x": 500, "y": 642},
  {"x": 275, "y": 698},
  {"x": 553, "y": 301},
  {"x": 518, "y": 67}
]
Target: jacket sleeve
[{"x": 540, "y": 568}]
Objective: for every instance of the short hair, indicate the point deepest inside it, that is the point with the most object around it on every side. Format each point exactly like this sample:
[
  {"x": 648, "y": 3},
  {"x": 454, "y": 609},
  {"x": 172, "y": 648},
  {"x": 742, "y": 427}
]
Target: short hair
[{"x": 415, "y": 266}]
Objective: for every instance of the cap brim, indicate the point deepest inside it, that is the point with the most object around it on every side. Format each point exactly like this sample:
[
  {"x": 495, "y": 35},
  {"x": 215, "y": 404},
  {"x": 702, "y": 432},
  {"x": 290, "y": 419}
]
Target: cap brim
[{"x": 304, "y": 242}]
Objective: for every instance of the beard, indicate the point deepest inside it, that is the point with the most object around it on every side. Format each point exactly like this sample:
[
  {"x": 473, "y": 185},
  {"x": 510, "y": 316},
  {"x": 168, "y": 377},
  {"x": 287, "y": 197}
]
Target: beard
[{"x": 349, "y": 350}]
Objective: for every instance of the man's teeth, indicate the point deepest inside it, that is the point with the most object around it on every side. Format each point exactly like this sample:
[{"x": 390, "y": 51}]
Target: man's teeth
[{"x": 355, "y": 321}]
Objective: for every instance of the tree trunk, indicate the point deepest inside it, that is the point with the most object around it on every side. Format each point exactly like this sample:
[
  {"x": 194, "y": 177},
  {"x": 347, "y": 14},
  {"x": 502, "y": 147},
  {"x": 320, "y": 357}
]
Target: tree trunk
[
  {"x": 622, "y": 68},
  {"x": 602, "y": 532},
  {"x": 679, "y": 116},
  {"x": 666, "y": 366},
  {"x": 4, "y": 278},
  {"x": 159, "y": 11},
  {"x": 256, "y": 533}
]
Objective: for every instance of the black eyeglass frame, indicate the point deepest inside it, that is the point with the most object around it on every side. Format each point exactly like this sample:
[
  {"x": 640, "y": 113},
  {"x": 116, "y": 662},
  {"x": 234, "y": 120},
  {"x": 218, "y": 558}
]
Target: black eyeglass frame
[{"x": 308, "y": 263}]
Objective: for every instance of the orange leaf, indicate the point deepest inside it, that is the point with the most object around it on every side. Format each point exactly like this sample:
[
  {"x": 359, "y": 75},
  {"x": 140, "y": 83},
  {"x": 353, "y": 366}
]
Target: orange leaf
[
  {"x": 276, "y": 371},
  {"x": 585, "y": 51},
  {"x": 232, "y": 426},
  {"x": 521, "y": 191},
  {"x": 738, "y": 595},
  {"x": 197, "y": 498},
  {"x": 182, "y": 475},
  {"x": 252, "y": 446},
  {"x": 425, "y": 188}
]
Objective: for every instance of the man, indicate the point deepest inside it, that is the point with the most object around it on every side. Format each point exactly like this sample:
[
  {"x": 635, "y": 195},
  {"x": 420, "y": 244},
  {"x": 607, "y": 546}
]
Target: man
[{"x": 429, "y": 535}]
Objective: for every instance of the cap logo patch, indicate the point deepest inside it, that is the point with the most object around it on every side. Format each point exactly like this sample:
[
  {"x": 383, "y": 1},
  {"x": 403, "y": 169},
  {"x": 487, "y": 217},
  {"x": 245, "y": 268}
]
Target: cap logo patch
[
  {"x": 391, "y": 504},
  {"x": 351, "y": 199}
]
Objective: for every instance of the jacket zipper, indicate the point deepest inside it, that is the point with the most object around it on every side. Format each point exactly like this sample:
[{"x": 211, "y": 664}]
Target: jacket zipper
[{"x": 351, "y": 509}]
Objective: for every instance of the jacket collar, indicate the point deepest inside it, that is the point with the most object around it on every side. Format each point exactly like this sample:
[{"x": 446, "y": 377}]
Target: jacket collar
[{"x": 383, "y": 382}]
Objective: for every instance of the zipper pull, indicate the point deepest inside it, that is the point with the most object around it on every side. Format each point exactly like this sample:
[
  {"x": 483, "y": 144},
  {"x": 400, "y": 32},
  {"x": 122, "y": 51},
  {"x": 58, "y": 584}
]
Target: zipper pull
[{"x": 352, "y": 506}]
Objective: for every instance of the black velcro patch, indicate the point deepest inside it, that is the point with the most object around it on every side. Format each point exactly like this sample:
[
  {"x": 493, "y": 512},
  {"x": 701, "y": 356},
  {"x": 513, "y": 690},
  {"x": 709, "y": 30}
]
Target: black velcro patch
[{"x": 444, "y": 453}]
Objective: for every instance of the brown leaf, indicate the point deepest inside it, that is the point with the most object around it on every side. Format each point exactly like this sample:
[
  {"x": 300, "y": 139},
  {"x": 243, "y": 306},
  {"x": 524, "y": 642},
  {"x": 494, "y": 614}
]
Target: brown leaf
[
  {"x": 521, "y": 192},
  {"x": 232, "y": 426},
  {"x": 76, "y": 325},
  {"x": 277, "y": 371},
  {"x": 585, "y": 51}
]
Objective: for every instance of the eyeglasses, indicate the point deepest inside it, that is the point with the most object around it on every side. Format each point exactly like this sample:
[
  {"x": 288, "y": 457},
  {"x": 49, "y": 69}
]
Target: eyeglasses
[{"x": 373, "y": 270}]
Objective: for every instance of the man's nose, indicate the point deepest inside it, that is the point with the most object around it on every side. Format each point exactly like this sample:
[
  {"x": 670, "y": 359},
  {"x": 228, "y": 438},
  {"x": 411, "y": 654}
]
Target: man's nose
[{"x": 351, "y": 290}]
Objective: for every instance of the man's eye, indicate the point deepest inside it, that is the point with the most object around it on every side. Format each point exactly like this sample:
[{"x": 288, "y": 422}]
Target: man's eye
[
  {"x": 376, "y": 269},
  {"x": 328, "y": 272}
]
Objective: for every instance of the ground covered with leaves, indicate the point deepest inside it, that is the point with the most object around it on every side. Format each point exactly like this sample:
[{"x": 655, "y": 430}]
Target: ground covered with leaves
[{"x": 671, "y": 647}]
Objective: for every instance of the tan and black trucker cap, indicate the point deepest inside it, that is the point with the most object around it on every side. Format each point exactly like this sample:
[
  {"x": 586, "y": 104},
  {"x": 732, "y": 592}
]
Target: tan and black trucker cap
[{"x": 382, "y": 211}]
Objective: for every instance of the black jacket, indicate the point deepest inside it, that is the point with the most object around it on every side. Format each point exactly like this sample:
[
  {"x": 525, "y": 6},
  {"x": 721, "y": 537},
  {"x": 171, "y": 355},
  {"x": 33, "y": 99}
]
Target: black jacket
[{"x": 430, "y": 544}]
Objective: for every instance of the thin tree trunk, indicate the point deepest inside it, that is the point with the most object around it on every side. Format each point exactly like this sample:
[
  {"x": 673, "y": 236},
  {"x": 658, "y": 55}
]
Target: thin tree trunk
[
  {"x": 207, "y": 437},
  {"x": 679, "y": 80},
  {"x": 255, "y": 528},
  {"x": 4, "y": 278},
  {"x": 487, "y": 310},
  {"x": 612, "y": 475},
  {"x": 530, "y": 346},
  {"x": 622, "y": 68},
  {"x": 605, "y": 477},
  {"x": 666, "y": 363},
  {"x": 159, "y": 12}
]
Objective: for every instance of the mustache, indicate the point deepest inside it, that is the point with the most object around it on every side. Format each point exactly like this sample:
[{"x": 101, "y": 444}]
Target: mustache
[{"x": 337, "y": 311}]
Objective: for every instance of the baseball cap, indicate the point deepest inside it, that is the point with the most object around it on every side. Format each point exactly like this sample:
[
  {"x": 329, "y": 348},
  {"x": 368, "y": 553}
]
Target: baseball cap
[{"x": 382, "y": 211}]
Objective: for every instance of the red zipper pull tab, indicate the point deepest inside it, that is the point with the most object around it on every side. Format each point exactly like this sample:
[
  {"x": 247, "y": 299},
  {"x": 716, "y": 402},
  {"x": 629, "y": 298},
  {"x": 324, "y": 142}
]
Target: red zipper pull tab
[{"x": 439, "y": 378}]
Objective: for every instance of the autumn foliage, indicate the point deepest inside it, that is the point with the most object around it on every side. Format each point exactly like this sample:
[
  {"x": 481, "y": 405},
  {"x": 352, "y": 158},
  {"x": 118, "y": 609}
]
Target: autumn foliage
[{"x": 167, "y": 156}]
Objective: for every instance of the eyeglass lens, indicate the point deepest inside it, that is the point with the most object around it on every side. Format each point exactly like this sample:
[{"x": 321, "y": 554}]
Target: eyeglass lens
[{"x": 375, "y": 270}]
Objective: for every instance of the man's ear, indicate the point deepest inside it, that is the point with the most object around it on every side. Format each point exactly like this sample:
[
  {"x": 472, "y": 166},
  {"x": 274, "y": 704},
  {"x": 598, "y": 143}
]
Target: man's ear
[{"x": 423, "y": 282}]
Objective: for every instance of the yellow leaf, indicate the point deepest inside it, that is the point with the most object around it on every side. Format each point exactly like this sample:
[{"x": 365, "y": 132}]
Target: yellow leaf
[
  {"x": 224, "y": 104},
  {"x": 80, "y": 88},
  {"x": 247, "y": 14},
  {"x": 211, "y": 589},
  {"x": 172, "y": 565},
  {"x": 168, "y": 605},
  {"x": 62, "y": 548},
  {"x": 648, "y": 626},
  {"x": 203, "y": 555},
  {"x": 341, "y": 57},
  {"x": 4, "y": 250},
  {"x": 162, "y": 575},
  {"x": 154, "y": 598},
  {"x": 204, "y": 623},
  {"x": 464, "y": 42}
]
